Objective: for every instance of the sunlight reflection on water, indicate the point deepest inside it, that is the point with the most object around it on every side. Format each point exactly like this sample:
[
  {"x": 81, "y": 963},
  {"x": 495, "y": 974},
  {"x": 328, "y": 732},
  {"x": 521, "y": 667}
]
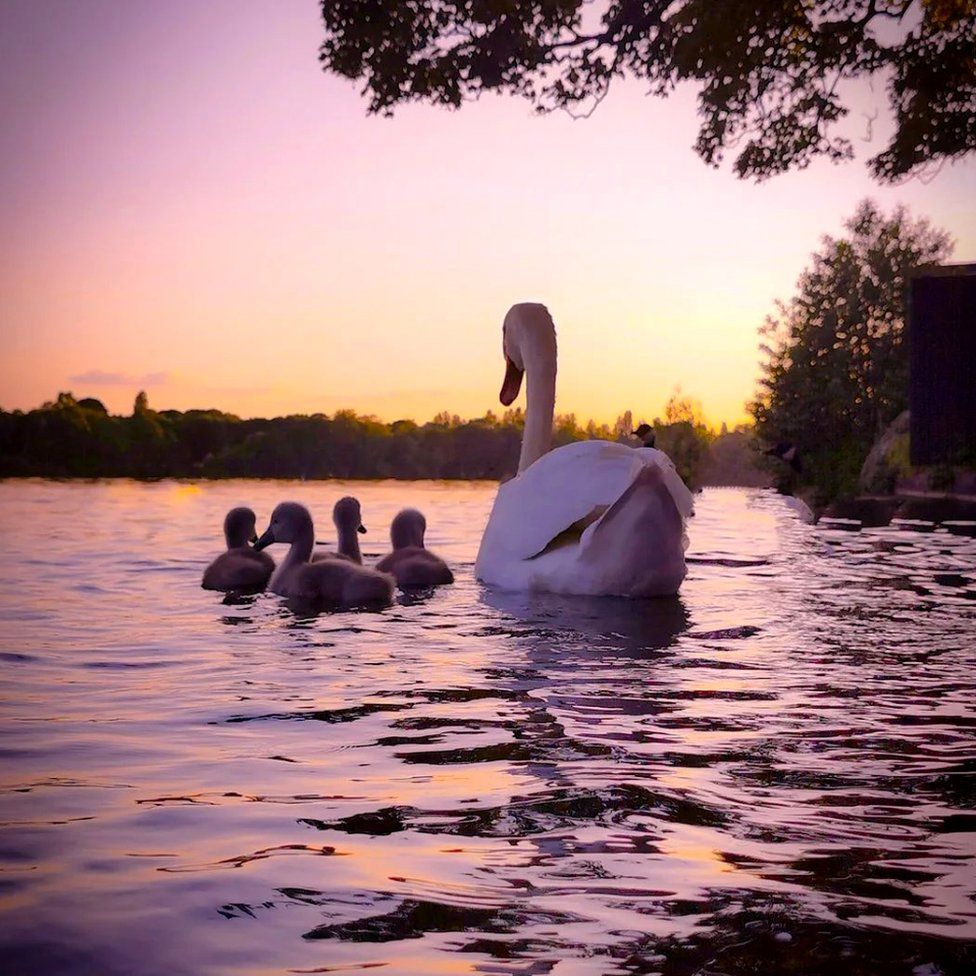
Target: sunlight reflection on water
[{"x": 474, "y": 781}]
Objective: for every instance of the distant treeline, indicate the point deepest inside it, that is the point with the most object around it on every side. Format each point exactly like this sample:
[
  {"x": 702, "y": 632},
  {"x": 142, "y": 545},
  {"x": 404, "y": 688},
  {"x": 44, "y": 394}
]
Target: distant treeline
[{"x": 70, "y": 438}]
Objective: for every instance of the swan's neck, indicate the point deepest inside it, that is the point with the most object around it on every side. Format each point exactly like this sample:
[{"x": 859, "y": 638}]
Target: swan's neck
[
  {"x": 540, "y": 402},
  {"x": 349, "y": 542},
  {"x": 237, "y": 536},
  {"x": 300, "y": 551}
]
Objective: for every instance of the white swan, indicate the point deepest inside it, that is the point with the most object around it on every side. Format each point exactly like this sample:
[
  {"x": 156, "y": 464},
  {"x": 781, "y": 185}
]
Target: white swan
[{"x": 594, "y": 517}]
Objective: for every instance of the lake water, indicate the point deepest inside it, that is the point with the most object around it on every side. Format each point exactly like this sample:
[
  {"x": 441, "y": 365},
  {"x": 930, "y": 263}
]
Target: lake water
[{"x": 775, "y": 772}]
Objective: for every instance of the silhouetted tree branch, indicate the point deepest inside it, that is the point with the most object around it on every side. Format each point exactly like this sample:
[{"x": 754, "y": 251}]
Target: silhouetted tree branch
[{"x": 768, "y": 70}]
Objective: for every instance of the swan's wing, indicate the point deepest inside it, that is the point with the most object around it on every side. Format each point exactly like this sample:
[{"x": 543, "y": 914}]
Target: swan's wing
[
  {"x": 570, "y": 487},
  {"x": 680, "y": 492}
]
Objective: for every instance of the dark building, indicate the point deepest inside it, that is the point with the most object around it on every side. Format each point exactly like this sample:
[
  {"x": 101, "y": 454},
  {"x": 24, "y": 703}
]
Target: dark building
[{"x": 942, "y": 364}]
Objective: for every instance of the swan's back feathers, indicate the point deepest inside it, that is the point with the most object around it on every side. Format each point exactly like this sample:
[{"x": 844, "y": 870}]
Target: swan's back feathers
[
  {"x": 573, "y": 484},
  {"x": 592, "y": 517}
]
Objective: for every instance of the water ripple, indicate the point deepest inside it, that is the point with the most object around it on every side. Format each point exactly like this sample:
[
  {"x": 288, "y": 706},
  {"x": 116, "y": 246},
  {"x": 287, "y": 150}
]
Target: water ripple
[{"x": 773, "y": 772}]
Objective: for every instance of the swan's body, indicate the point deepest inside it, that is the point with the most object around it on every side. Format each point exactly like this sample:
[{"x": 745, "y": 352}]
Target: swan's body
[
  {"x": 240, "y": 568},
  {"x": 338, "y": 582},
  {"x": 348, "y": 520},
  {"x": 411, "y": 563},
  {"x": 594, "y": 517}
]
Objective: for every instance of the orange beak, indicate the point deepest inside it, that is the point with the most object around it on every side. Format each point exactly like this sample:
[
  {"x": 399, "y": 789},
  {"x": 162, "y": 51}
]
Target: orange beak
[{"x": 511, "y": 384}]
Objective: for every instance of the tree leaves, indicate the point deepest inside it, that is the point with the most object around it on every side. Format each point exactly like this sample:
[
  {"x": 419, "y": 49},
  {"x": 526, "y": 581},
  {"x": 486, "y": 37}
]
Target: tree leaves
[
  {"x": 769, "y": 71},
  {"x": 836, "y": 368}
]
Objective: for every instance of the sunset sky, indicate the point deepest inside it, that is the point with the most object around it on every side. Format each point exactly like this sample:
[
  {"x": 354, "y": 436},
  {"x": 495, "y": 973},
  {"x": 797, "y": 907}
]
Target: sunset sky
[{"x": 191, "y": 206}]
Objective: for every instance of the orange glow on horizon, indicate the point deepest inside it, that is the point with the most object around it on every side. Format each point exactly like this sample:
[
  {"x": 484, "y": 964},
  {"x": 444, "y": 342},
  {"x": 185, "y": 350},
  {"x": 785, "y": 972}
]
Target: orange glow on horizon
[{"x": 193, "y": 208}]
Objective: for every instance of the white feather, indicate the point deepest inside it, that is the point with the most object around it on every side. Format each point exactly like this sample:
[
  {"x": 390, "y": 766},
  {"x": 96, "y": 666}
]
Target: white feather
[{"x": 643, "y": 556}]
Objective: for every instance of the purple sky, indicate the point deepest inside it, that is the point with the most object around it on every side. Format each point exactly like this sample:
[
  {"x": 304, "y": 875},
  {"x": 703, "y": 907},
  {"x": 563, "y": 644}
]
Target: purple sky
[{"x": 192, "y": 206}]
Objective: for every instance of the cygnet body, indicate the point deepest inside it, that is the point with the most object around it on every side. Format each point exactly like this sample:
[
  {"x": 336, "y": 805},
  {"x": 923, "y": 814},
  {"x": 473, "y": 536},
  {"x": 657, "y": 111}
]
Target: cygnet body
[
  {"x": 339, "y": 582},
  {"x": 410, "y": 562},
  {"x": 240, "y": 568},
  {"x": 348, "y": 520}
]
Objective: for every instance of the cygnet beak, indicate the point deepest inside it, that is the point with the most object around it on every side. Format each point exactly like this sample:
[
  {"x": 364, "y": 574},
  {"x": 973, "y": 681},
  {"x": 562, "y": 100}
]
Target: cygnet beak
[
  {"x": 265, "y": 540},
  {"x": 362, "y": 529}
]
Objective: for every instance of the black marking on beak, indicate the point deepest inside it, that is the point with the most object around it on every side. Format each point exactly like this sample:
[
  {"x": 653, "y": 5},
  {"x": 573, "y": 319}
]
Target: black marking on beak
[
  {"x": 362, "y": 529},
  {"x": 265, "y": 540},
  {"x": 511, "y": 384}
]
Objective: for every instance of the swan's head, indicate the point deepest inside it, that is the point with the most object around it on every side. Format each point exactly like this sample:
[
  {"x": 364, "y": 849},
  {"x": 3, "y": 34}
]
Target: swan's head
[
  {"x": 408, "y": 529},
  {"x": 528, "y": 342},
  {"x": 347, "y": 515},
  {"x": 239, "y": 527},
  {"x": 289, "y": 520}
]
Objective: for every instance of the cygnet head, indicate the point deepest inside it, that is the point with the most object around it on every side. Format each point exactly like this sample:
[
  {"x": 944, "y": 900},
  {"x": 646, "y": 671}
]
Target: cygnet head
[
  {"x": 239, "y": 527},
  {"x": 528, "y": 339},
  {"x": 408, "y": 529},
  {"x": 348, "y": 515},
  {"x": 289, "y": 521}
]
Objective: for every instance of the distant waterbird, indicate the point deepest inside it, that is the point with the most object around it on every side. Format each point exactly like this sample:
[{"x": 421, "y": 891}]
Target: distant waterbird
[
  {"x": 646, "y": 435},
  {"x": 787, "y": 452}
]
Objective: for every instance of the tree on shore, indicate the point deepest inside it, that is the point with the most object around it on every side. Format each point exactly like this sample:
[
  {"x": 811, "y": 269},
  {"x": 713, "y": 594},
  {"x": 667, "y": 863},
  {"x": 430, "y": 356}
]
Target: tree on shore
[
  {"x": 684, "y": 435},
  {"x": 68, "y": 438},
  {"x": 771, "y": 73},
  {"x": 836, "y": 362}
]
